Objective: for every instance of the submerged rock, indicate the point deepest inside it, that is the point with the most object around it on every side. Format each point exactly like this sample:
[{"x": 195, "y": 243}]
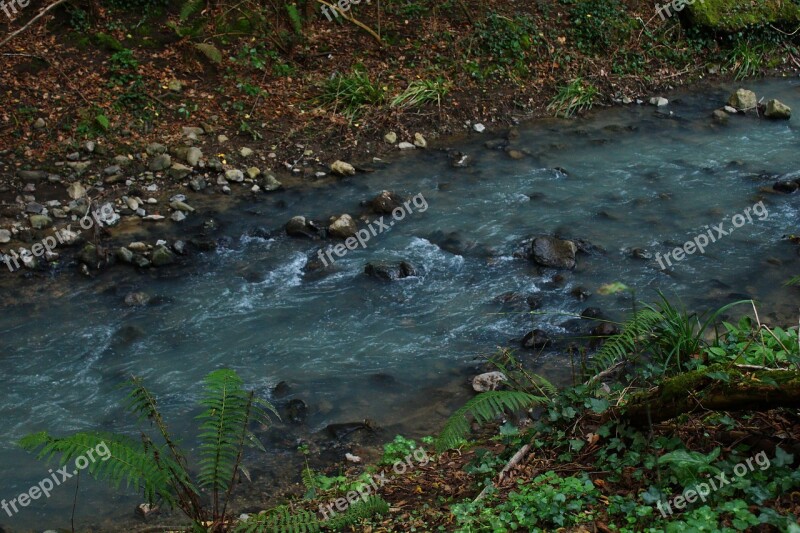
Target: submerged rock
[
  {"x": 300, "y": 226},
  {"x": 386, "y": 202},
  {"x": 536, "y": 339},
  {"x": 553, "y": 253},
  {"x": 390, "y": 271},
  {"x": 342, "y": 226}
]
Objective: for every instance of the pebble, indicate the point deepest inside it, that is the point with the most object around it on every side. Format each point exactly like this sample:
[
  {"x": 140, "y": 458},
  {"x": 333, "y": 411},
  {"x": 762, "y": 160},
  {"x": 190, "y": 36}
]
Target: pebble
[
  {"x": 419, "y": 141},
  {"x": 480, "y": 128},
  {"x": 245, "y": 152},
  {"x": 406, "y": 146}
]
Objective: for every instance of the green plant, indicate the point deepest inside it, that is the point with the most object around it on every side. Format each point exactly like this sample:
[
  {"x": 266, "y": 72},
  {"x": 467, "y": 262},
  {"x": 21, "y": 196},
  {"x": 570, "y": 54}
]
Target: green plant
[
  {"x": 509, "y": 43},
  {"x": 746, "y": 59},
  {"x": 348, "y": 94},
  {"x": 420, "y": 92},
  {"x": 572, "y": 98},
  {"x": 761, "y": 345},
  {"x": 597, "y": 26},
  {"x": 483, "y": 408},
  {"x": 397, "y": 450},
  {"x": 282, "y": 519},
  {"x": 156, "y": 466}
]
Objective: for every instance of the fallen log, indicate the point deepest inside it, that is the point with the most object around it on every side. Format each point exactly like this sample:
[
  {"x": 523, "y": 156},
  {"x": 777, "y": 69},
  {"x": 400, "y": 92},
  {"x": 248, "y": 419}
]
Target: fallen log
[{"x": 713, "y": 389}]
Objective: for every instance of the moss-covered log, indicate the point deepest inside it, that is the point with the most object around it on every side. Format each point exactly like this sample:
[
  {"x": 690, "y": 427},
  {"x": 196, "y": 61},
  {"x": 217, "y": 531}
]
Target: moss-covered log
[
  {"x": 714, "y": 389},
  {"x": 735, "y": 15}
]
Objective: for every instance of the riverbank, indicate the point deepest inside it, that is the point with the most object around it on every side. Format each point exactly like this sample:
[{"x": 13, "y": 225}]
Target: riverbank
[{"x": 145, "y": 110}]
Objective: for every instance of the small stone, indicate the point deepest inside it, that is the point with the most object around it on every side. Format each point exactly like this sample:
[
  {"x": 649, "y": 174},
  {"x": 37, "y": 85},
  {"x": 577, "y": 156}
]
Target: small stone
[
  {"x": 145, "y": 510},
  {"x": 132, "y": 203},
  {"x": 729, "y": 109},
  {"x": 197, "y": 184},
  {"x": 175, "y": 86},
  {"x": 352, "y": 458},
  {"x": 478, "y": 127},
  {"x": 39, "y": 124},
  {"x": 222, "y": 138},
  {"x": 255, "y": 188},
  {"x": 406, "y": 146},
  {"x": 419, "y": 141},
  {"x": 74, "y": 156},
  {"x": 40, "y": 221},
  {"x": 162, "y": 256},
  {"x": 181, "y": 206},
  {"x": 193, "y": 156},
  {"x": 179, "y": 171},
  {"x": 155, "y": 149},
  {"x": 137, "y": 299},
  {"x": 141, "y": 212},
  {"x": 76, "y": 190},
  {"x": 5, "y": 236},
  {"x": 89, "y": 146},
  {"x": 245, "y": 152},
  {"x": 188, "y": 131},
  {"x": 488, "y": 382},
  {"x": 226, "y": 189},
  {"x": 390, "y": 137},
  {"x": 343, "y": 226},
  {"x": 270, "y": 183},
  {"x": 124, "y": 255},
  {"x": 160, "y": 162},
  {"x": 234, "y": 175},
  {"x": 777, "y": 110},
  {"x": 342, "y": 168},
  {"x": 253, "y": 172},
  {"x": 138, "y": 246},
  {"x": 659, "y": 101},
  {"x": 152, "y": 201},
  {"x": 720, "y": 116},
  {"x": 178, "y": 216}
]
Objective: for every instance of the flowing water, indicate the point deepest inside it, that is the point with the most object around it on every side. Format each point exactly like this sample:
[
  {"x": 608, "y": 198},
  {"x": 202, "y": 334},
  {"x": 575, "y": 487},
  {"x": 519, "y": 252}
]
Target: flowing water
[{"x": 352, "y": 347}]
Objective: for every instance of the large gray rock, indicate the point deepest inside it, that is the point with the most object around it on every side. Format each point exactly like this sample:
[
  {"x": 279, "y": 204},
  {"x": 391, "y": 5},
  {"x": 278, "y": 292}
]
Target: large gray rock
[
  {"x": 777, "y": 110},
  {"x": 553, "y": 253},
  {"x": 343, "y": 226},
  {"x": 743, "y": 100}
]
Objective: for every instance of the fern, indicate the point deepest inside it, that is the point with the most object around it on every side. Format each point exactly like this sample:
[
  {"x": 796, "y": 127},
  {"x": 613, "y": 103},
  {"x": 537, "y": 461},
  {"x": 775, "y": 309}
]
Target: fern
[
  {"x": 294, "y": 18},
  {"x": 619, "y": 347},
  {"x": 280, "y": 519},
  {"x": 483, "y": 408},
  {"x": 363, "y": 509},
  {"x": 129, "y": 460},
  {"x": 190, "y": 8}
]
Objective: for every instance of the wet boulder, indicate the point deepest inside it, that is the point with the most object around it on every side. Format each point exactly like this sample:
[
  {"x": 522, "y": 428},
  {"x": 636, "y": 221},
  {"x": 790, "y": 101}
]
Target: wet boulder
[
  {"x": 553, "y": 253},
  {"x": 777, "y": 110},
  {"x": 386, "y": 202},
  {"x": 455, "y": 243},
  {"x": 296, "y": 411},
  {"x": 302, "y": 227},
  {"x": 390, "y": 271},
  {"x": 743, "y": 100},
  {"x": 785, "y": 187},
  {"x": 342, "y": 226},
  {"x": 536, "y": 339}
]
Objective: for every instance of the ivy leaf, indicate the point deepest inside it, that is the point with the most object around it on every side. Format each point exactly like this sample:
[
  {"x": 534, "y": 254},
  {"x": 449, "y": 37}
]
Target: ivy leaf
[
  {"x": 103, "y": 121},
  {"x": 782, "y": 458}
]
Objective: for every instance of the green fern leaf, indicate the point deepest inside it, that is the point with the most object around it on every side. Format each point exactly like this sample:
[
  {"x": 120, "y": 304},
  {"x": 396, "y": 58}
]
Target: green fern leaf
[
  {"x": 363, "y": 509},
  {"x": 280, "y": 520},
  {"x": 190, "y": 8},
  {"x": 483, "y": 408}
]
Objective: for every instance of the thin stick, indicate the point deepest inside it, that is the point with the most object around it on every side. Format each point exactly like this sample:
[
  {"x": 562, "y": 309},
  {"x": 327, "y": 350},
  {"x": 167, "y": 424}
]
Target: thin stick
[
  {"x": 34, "y": 19},
  {"x": 514, "y": 461}
]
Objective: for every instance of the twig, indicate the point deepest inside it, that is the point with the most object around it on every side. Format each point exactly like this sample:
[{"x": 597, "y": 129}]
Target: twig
[
  {"x": 354, "y": 21},
  {"x": 34, "y": 19},
  {"x": 514, "y": 461}
]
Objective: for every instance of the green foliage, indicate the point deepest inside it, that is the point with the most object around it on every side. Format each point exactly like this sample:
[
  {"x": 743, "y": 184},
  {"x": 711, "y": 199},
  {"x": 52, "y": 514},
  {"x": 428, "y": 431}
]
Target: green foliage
[
  {"x": 190, "y": 8},
  {"x": 210, "y": 51},
  {"x": 510, "y": 43},
  {"x": 546, "y": 503},
  {"x": 155, "y": 465},
  {"x": 348, "y": 94},
  {"x": 483, "y": 408},
  {"x": 397, "y": 450},
  {"x": 283, "y": 520},
  {"x": 687, "y": 466},
  {"x": 746, "y": 59},
  {"x": 129, "y": 462},
  {"x": 573, "y": 98},
  {"x": 747, "y": 343},
  {"x": 598, "y": 26},
  {"x": 420, "y": 92},
  {"x": 294, "y": 18}
]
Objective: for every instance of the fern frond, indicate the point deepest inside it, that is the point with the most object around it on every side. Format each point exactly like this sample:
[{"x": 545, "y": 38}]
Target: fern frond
[
  {"x": 122, "y": 459},
  {"x": 373, "y": 505},
  {"x": 295, "y": 19},
  {"x": 280, "y": 520},
  {"x": 483, "y": 408},
  {"x": 223, "y": 428},
  {"x": 190, "y": 8},
  {"x": 619, "y": 347},
  {"x": 309, "y": 479}
]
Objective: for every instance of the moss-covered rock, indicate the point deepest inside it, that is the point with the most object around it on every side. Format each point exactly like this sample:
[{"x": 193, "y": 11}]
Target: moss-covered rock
[{"x": 735, "y": 15}]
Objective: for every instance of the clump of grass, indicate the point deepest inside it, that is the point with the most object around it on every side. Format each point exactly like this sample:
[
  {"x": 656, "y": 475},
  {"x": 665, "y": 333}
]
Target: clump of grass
[
  {"x": 577, "y": 96},
  {"x": 746, "y": 59},
  {"x": 420, "y": 92},
  {"x": 348, "y": 94}
]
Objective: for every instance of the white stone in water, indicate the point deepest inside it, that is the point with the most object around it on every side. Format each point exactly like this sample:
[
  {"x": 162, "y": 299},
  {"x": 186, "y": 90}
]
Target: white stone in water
[
  {"x": 488, "y": 381},
  {"x": 480, "y": 128}
]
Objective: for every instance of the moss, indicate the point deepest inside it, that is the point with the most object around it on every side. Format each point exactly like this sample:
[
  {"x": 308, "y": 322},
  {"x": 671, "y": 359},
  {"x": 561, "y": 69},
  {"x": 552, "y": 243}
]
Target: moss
[
  {"x": 734, "y": 15},
  {"x": 108, "y": 42}
]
